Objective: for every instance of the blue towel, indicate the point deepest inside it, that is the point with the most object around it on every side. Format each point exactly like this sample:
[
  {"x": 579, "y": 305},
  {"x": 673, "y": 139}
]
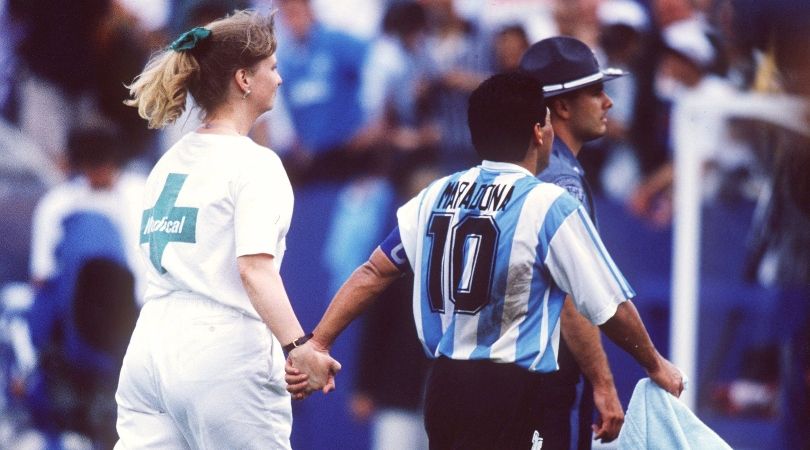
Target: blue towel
[{"x": 657, "y": 420}]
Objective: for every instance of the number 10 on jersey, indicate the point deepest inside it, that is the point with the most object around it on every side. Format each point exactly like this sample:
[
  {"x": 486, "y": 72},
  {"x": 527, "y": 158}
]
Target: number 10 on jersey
[{"x": 461, "y": 261}]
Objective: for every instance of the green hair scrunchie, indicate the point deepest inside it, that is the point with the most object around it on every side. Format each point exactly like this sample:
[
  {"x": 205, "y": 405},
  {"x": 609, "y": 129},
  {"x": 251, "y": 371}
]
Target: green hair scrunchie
[{"x": 190, "y": 39}]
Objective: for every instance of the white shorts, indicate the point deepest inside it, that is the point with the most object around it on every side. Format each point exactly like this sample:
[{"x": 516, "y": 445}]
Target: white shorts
[{"x": 200, "y": 375}]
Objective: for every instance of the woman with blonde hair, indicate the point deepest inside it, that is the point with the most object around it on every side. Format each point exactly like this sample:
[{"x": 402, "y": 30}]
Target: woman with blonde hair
[{"x": 205, "y": 365}]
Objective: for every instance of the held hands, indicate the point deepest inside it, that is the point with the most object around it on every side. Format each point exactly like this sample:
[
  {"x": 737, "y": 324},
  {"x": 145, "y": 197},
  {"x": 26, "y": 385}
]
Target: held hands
[
  {"x": 309, "y": 368},
  {"x": 667, "y": 376}
]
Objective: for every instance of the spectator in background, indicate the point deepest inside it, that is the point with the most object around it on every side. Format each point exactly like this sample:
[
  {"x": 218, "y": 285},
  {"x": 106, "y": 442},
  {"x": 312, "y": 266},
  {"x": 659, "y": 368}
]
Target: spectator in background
[
  {"x": 623, "y": 27},
  {"x": 461, "y": 55},
  {"x": 193, "y": 13},
  {"x": 578, "y": 19},
  {"x": 359, "y": 18},
  {"x": 322, "y": 69},
  {"x": 536, "y": 17},
  {"x": 510, "y": 42},
  {"x": 80, "y": 322},
  {"x": 736, "y": 43},
  {"x": 648, "y": 131},
  {"x": 123, "y": 44},
  {"x": 395, "y": 89},
  {"x": 610, "y": 163},
  {"x": 98, "y": 183},
  {"x": 684, "y": 75},
  {"x": 58, "y": 67},
  {"x": 667, "y": 12},
  {"x": 74, "y": 65},
  {"x": 151, "y": 15}
]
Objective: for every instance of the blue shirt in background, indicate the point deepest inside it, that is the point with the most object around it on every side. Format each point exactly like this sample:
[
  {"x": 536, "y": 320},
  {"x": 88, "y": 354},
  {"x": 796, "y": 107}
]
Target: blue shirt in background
[{"x": 322, "y": 78}]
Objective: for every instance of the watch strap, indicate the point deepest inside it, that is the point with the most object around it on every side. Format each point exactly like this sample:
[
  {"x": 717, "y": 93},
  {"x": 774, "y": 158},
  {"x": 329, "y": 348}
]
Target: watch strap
[{"x": 296, "y": 343}]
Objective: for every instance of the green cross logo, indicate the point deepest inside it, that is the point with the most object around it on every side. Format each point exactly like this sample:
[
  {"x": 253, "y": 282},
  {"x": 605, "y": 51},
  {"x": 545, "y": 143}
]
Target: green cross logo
[{"x": 165, "y": 223}]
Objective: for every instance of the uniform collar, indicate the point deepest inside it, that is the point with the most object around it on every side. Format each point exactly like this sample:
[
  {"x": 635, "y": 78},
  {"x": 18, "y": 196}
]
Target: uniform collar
[
  {"x": 500, "y": 166},
  {"x": 562, "y": 150}
]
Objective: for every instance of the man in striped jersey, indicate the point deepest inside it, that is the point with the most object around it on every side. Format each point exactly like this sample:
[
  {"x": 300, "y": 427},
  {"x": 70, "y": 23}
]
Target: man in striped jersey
[
  {"x": 493, "y": 251},
  {"x": 573, "y": 86}
]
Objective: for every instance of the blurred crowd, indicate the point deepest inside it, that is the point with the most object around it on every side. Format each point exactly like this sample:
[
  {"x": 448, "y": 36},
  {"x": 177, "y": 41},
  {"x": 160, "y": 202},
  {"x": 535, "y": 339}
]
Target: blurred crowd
[{"x": 373, "y": 104}]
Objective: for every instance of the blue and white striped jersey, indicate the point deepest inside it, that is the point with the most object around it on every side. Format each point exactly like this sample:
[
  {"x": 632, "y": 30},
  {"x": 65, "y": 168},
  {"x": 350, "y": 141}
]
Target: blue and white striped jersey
[{"x": 493, "y": 252}]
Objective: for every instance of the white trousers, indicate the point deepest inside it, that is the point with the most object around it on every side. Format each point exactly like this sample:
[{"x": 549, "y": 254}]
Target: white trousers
[{"x": 201, "y": 375}]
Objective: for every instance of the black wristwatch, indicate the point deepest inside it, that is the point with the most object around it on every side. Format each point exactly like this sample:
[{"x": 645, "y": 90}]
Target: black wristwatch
[{"x": 296, "y": 343}]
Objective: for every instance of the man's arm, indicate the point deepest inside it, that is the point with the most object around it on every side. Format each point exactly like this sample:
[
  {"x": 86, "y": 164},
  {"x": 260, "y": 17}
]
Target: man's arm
[
  {"x": 585, "y": 342},
  {"x": 627, "y": 331},
  {"x": 579, "y": 263},
  {"x": 356, "y": 294},
  {"x": 354, "y": 297}
]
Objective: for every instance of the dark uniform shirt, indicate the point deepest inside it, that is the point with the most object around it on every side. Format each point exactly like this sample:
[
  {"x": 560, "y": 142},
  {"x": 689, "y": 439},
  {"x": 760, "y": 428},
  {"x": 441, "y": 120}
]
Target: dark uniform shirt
[
  {"x": 563, "y": 388},
  {"x": 565, "y": 171}
]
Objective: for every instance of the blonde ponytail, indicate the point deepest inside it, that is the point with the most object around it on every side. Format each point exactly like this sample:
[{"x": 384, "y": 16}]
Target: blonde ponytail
[{"x": 159, "y": 92}]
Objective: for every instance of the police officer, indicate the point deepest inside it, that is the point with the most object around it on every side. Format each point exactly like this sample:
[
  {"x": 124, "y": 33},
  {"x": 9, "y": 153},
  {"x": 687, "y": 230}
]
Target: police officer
[{"x": 573, "y": 86}]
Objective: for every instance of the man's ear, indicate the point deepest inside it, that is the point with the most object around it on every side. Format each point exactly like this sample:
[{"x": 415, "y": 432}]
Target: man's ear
[
  {"x": 538, "y": 133},
  {"x": 560, "y": 107}
]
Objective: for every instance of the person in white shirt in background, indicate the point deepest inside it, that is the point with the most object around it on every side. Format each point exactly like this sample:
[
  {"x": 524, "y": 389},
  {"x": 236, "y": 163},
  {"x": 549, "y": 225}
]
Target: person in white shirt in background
[
  {"x": 684, "y": 77},
  {"x": 99, "y": 184}
]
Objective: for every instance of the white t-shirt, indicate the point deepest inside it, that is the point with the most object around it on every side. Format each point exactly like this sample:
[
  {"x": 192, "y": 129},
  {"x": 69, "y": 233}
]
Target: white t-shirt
[
  {"x": 119, "y": 204},
  {"x": 210, "y": 199}
]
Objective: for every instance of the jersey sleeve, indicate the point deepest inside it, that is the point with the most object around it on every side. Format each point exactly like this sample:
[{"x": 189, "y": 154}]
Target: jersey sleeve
[
  {"x": 579, "y": 263},
  {"x": 395, "y": 251},
  {"x": 262, "y": 199},
  {"x": 408, "y": 225}
]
